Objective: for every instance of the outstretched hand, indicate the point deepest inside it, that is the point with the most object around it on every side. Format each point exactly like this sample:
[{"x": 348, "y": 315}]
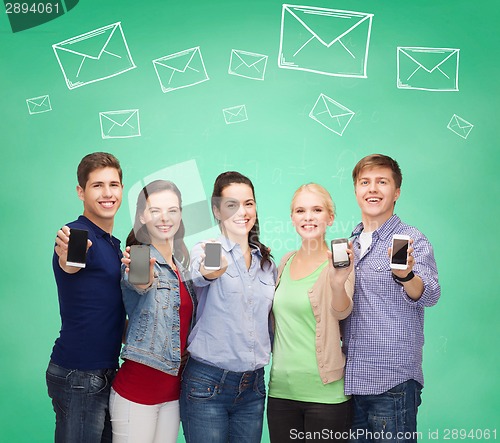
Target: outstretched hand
[
  {"x": 210, "y": 274},
  {"x": 402, "y": 273},
  {"x": 338, "y": 276},
  {"x": 61, "y": 249},
  {"x": 126, "y": 261}
]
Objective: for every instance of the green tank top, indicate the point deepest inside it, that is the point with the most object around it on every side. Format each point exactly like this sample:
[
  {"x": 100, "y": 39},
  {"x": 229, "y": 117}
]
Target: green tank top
[{"x": 294, "y": 370}]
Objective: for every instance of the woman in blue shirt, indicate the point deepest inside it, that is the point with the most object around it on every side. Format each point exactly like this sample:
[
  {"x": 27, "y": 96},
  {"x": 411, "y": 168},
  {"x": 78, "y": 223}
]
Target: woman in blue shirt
[{"x": 223, "y": 391}]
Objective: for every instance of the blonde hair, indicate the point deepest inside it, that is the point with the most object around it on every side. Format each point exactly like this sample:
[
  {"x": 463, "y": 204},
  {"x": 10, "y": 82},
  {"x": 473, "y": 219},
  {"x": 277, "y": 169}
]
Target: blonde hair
[{"x": 318, "y": 190}]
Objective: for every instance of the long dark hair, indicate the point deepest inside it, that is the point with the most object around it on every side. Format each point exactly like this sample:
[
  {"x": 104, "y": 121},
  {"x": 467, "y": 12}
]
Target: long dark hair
[
  {"x": 139, "y": 233},
  {"x": 223, "y": 181}
]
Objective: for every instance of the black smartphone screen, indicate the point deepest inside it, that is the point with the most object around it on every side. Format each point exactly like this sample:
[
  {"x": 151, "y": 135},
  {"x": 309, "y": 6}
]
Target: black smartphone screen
[
  {"x": 77, "y": 247},
  {"x": 212, "y": 255},
  {"x": 139, "y": 265},
  {"x": 399, "y": 251}
]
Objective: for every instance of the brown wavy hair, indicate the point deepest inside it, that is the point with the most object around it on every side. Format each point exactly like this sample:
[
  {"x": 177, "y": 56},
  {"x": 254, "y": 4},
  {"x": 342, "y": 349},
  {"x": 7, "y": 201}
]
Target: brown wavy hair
[
  {"x": 139, "y": 233},
  {"x": 223, "y": 181}
]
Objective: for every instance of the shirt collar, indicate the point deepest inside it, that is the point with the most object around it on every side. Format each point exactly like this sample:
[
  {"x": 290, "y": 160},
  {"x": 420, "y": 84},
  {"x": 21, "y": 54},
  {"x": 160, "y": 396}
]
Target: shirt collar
[
  {"x": 228, "y": 245},
  {"x": 161, "y": 260},
  {"x": 384, "y": 231},
  {"x": 156, "y": 254},
  {"x": 99, "y": 232}
]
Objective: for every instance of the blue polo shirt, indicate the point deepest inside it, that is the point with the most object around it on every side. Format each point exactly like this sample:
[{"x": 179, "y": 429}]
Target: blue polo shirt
[{"x": 91, "y": 307}]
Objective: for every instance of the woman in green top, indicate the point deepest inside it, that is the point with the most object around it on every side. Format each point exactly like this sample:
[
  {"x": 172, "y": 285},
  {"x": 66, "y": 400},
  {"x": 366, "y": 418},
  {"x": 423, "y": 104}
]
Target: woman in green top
[{"x": 306, "y": 389}]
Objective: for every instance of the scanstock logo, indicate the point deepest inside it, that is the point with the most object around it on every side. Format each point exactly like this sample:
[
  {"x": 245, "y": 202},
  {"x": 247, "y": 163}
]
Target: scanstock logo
[{"x": 25, "y": 14}]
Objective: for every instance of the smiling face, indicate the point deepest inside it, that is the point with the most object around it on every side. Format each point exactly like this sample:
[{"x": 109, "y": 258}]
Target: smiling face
[
  {"x": 237, "y": 211},
  {"x": 310, "y": 215},
  {"x": 376, "y": 193},
  {"x": 162, "y": 216},
  {"x": 102, "y": 196}
]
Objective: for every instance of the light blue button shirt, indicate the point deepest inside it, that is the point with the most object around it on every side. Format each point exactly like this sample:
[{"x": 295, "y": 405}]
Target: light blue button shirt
[{"x": 232, "y": 328}]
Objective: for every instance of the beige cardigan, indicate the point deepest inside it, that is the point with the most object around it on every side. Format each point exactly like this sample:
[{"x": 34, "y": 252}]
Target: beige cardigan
[{"x": 329, "y": 356}]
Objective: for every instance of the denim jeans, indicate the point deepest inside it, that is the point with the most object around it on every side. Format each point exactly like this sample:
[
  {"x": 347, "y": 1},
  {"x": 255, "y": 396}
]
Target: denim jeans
[
  {"x": 80, "y": 400},
  {"x": 219, "y": 406},
  {"x": 387, "y": 417}
]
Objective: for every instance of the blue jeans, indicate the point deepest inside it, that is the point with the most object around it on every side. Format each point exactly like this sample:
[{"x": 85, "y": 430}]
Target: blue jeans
[
  {"x": 219, "y": 406},
  {"x": 81, "y": 402},
  {"x": 387, "y": 417}
]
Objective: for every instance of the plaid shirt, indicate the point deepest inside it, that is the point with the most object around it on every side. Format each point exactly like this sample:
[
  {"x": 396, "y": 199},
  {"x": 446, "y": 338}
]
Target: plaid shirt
[{"x": 384, "y": 335}]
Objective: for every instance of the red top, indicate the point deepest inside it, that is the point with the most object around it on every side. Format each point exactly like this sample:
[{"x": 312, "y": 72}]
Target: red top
[{"x": 149, "y": 386}]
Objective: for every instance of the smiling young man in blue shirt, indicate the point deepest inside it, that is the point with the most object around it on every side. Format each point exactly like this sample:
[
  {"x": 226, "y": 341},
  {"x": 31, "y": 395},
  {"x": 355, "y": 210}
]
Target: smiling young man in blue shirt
[
  {"x": 384, "y": 337},
  {"x": 85, "y": 355}
]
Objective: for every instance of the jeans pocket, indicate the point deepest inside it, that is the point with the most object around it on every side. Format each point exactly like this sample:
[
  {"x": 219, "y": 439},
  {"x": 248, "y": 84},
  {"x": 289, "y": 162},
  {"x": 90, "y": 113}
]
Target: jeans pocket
[
  {"x": 198, "y": 389},
  {"x": 260, "y": 386},
  {"x": 54, "y": 379},
  {"x": 57, "y": 389},
  {"x": 97, "y": 383},
  {"x": 88, "y": 383},
  {"x": 388, "y": 415}
]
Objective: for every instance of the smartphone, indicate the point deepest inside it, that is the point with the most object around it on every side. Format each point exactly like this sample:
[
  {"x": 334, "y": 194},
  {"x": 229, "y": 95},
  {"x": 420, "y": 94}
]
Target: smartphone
[
  {"x": 340, "y": 257},
  {"x": 399, "y": 256},
  {"x": 139, "y": 265},
  {"x": 212, "y": 256},
  {"x": 77, "y": 247}
]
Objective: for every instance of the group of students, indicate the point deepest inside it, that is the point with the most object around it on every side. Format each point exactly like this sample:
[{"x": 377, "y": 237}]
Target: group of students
[{"x": 346, "y": 343}]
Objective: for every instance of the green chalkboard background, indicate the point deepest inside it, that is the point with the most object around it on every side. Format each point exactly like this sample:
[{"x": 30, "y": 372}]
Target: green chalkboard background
[{"x": 449, "y": 188}]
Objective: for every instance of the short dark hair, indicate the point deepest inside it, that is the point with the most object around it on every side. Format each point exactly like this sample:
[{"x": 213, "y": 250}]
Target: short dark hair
[
  {"x": 96, "y": 160},
  {"x": 378, "y": 160}
]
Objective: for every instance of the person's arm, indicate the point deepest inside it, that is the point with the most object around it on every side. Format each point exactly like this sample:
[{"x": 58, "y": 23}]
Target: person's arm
[
  {"x": 340, "y": 280},
  {"x": 141, "y": 289},
  {"x": 423, "y": 286},
  {"x": 414, "y": 288},
  {"x": 200, "y": 275},
  {"x": 61, "y": 249}
]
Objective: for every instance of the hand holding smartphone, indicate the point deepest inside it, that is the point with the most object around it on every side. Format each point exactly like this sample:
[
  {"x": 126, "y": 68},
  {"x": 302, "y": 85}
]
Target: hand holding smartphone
[
  {"x": 77, "y": 248},
  {"x": 340, "y": 257},
  {"x": 139, "y": 265},
  {"x": 399, "y": 251},
  {"x": 213, "y": 256}
]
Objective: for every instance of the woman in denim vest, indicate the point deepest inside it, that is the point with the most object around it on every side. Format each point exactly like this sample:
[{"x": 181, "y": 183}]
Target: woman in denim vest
[
  {"x": 144, "y": 401},
  {"x": 223, "y": 390}
]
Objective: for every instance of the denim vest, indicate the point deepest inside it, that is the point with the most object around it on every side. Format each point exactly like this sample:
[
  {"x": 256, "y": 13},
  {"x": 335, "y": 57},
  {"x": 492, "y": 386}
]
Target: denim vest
[{"x": 152, "y": 336}]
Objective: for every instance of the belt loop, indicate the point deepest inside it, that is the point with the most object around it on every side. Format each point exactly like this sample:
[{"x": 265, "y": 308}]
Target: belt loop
[{"x": 222, "y": 380}]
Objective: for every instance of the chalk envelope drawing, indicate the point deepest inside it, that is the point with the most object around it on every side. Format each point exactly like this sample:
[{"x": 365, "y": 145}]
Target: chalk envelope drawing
[
  {"x": 428, "y": 69},
  {"x": 120, "y": 124},
  {"x": 247, "y": 64},
  {"x": 325, "y": 41},
  {"x": 94, "y": 56},
  {"x": 331, "y": 114},
  {"x": 460, "y": 126},
  {"x": 235, "y": 114},
  {"x": 37, "y": 105},
  {"x": 180, "y": 70}
]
